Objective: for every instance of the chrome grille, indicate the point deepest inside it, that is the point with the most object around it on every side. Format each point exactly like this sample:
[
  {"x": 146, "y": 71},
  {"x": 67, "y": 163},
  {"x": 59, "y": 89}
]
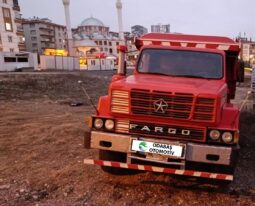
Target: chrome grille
[
  {"x": 179, "y": 104},
  {"x": 120, "y": 102},
  {"x": 205, "y": 109},
  {"x": 122, "y": 126}
]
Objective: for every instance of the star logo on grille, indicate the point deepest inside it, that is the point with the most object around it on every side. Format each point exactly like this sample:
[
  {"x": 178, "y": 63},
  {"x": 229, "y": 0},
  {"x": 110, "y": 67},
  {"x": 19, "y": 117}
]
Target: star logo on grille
[{"x": 160, "y": 106}]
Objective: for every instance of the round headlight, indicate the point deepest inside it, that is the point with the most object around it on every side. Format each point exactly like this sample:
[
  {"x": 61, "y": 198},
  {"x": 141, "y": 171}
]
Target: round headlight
[
  {"x": 214, "y": 134},
  {"x": 109, "y": 124},
  {"x": 227, "y": 137},
  {"x": 98, "y": 123}
]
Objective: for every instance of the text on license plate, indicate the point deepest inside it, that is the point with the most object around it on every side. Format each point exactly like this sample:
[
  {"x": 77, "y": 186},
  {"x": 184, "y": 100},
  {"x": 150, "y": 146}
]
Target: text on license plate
[{"x": 157, "y": 148}]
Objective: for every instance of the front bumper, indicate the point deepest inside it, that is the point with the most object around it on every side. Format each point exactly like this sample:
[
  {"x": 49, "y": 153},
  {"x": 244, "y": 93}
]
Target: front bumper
[{"x": 195, "y": 152}]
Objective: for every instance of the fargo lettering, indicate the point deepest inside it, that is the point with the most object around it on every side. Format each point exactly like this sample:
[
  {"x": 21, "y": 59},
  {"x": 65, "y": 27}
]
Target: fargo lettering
[{"x": 164, "y": 130}]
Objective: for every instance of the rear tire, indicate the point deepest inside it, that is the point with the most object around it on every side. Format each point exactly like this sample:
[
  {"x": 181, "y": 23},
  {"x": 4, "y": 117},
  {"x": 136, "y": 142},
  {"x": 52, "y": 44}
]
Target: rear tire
[{"x": 115, "y": 157}]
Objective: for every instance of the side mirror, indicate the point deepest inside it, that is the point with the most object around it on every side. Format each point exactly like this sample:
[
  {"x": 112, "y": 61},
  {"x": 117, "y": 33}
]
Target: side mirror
[
  {"x": 125, "y": 68},
  {"x": 240, "y": 71},
  {"x": 122, "y": 63}
]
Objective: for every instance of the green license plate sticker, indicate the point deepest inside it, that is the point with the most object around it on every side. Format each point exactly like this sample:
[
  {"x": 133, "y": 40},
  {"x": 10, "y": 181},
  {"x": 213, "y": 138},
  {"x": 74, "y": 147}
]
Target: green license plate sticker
[{"x": 157, "y": 148}]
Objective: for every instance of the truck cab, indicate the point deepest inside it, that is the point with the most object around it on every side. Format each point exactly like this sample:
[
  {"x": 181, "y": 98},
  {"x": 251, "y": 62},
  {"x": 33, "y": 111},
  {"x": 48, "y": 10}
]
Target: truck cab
[{"x": 174, "y": 114}]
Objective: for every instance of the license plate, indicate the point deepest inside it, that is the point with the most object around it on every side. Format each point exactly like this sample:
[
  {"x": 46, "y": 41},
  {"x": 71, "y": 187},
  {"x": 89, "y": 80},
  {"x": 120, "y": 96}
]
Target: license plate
[{"x": 157, "y": 148}]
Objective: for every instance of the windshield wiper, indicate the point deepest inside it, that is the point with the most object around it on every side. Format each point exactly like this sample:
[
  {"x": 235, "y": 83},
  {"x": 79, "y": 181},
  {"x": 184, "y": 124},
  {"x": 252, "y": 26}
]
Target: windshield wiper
[
  {"x": 157, "y": 73},
  {"x": 192, "y": 76}
]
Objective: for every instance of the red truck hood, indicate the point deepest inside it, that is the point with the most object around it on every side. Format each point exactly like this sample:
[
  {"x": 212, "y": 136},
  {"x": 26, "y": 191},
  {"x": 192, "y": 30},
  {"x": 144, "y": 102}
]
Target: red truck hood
[{"x": 174, "y": 84}]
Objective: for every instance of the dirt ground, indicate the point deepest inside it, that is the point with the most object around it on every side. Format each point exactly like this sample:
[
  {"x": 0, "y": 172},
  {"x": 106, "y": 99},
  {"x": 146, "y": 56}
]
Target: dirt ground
[{"x": 41, "y": 151}]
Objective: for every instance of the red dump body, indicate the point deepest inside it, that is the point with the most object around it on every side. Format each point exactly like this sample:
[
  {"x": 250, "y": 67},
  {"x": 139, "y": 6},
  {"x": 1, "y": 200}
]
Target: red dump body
[{"x": 180, "y": 123}]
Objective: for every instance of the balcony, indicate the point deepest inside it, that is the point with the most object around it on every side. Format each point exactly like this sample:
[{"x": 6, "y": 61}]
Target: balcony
[
  {"x": 47, "y": 33},
  {"x": 20, "y": 31},
  {"x": 22, "y": 46},
  {"x": 47, "y": 40},
  {"x": 48, "y": 46},
  {"x": 18, "y": 17},
  {"x": 16, "y": 8},
  {"x": 16, "y": 5},
  {"x": 45, "y": 28}
]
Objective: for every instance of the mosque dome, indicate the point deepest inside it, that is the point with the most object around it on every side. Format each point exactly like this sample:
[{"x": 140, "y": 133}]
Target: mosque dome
[{"x": 91, "y": 22}]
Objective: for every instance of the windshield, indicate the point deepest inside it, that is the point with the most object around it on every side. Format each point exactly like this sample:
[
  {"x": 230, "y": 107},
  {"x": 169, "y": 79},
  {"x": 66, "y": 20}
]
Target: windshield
[{"x": 181, "y": 63}]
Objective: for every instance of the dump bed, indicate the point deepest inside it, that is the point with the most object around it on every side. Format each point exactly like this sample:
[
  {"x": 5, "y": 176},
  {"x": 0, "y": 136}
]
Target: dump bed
[{"x": 184, "y": 40}]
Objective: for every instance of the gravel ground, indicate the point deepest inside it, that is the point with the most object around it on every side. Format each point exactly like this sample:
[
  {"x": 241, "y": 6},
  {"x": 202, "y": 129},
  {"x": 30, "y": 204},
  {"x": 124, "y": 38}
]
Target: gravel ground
[{"x": 41, "y": 151}]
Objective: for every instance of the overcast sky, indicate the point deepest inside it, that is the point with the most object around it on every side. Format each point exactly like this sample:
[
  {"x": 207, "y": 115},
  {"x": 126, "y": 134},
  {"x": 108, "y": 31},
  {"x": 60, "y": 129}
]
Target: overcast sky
[{"x": 212, "y": 17}]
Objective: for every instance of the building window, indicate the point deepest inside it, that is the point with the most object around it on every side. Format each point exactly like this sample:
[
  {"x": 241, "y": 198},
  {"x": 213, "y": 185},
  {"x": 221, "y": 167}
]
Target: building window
[
  {"x": 93, "y": 62},
  {"x": 12, "y": 50},
  {"x": 8, "y": 27},
  {"x": 6, "y": 13},
  {"x": 9, "y": 38},
  {"x": 117, "y": 43},
  {"x": 105, "y": 42},
  {"x": 7, "y": 19},
  {"x": 110, "y": 51},
  {"x": 22, "y": 59},
  {"x": 33, "y": 32},
  {"x": 100, "y": 42},
  {"x": 5, "y": 1},
  {"x": 110, "y": 43},
  {"x": 32, "y": 25},
  {"x": 10, "y": 59},
  {"x": 33, "y": 38}
]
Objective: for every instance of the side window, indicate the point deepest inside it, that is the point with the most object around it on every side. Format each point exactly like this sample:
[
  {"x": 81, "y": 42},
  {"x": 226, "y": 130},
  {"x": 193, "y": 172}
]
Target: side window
[{"x": 144, "y": 63}]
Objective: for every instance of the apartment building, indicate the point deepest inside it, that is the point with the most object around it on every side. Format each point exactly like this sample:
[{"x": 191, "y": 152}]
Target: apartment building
[
  {"x": 160, "y": 28},
  {"x": 11, "y": 31},
  {"x": 247, "y": 53},
  {"x": 43, "y": 34}
]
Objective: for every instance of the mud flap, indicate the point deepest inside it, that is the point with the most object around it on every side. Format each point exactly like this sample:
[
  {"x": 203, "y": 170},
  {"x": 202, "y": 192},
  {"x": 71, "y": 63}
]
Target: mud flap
[{"x": 87, "y": 139}]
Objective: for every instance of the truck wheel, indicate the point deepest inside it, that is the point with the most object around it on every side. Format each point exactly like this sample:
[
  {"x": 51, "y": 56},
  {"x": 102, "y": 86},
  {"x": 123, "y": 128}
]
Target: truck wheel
[{"x": 113, "y": 156}]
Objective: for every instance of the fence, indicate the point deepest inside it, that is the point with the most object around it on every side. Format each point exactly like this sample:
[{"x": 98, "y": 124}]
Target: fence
[
  {"x": 73, "y": 63},
  {"x": 100, "y": 64},
  {"x": 59, "y": 63}
]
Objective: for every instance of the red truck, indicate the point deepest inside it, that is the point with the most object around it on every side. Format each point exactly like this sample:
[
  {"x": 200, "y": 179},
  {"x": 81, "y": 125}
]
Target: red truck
[{"x": 174, "y": 114}]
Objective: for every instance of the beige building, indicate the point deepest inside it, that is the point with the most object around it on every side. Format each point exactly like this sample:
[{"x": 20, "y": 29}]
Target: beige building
[
  {"x": 42, "y": 34},
  {"x": 247, "y": 53},
  {"x": 11, "y": 31}
]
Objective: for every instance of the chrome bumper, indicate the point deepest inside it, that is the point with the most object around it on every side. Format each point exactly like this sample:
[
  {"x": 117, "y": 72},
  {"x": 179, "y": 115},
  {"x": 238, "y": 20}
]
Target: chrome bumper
[{"x": 195, "y": 152}]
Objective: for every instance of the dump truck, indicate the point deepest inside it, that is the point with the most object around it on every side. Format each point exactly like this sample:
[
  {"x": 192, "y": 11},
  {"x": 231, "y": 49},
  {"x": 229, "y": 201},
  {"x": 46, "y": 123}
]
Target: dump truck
[{"x": 174, "y": 113}]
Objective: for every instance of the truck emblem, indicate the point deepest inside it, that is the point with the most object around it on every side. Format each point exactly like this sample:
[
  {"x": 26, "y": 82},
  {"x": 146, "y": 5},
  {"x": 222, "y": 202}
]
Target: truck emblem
[{"x": 160, "y": 106}]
